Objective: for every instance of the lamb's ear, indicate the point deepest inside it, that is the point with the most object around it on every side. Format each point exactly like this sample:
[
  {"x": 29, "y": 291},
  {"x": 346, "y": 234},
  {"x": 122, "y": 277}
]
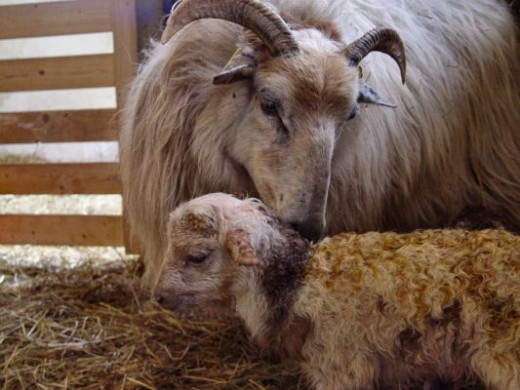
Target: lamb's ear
[
  {"x": 241, "y": 66},
  {"x": 238, "y": 244}
]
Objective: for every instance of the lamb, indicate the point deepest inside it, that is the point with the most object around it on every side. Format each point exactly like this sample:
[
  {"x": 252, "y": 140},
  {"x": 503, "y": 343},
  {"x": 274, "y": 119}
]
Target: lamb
[{"x": 360, "y": 311}]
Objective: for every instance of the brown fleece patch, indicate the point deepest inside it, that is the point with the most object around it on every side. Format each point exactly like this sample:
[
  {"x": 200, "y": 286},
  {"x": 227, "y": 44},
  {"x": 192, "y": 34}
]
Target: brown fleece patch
[
  {"x": 503, "y": 313},
  {"x": 198, "y": 224},
  {"x": 450, "y": 315},
  {"x": 381, "y": 305},
  {"x": 285, "y": 264},
  {"x": 407, "y": 345},
  {"x": 291, "y": 339},
  {"x": 296, "y": 336},
  {"x": 284, "y": 269}
]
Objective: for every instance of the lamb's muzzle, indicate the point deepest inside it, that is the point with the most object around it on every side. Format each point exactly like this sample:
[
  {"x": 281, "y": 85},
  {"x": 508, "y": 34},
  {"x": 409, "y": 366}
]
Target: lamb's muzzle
[{"x": 359, "y": 310}]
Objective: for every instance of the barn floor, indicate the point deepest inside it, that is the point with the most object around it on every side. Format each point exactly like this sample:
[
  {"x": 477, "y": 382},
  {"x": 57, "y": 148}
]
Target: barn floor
[{"x": 85, "y": 328}]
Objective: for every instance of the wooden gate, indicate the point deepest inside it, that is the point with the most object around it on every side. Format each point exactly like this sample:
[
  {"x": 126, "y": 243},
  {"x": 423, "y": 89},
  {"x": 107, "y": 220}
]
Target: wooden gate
[{"x": 60, "y": 73}]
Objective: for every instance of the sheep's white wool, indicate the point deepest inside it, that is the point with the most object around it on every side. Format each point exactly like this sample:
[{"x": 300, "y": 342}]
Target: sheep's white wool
[{"x": 453, "y": 140}]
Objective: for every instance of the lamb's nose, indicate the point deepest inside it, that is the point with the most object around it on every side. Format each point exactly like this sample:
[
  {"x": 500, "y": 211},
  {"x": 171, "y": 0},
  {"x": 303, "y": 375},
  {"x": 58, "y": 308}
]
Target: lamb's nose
[{"x": 159, "y": 298}]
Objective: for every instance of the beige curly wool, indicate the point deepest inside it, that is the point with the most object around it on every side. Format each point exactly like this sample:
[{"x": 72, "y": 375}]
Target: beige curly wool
[{"x": 401, "y": 306}]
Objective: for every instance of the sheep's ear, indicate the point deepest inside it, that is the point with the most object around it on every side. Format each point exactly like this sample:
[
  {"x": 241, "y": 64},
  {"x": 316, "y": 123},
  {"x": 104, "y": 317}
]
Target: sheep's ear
[
  {"x": 368, "y": 95},
  {"x": 241, "y": 66},
  {"x": 238, "y": 244}
]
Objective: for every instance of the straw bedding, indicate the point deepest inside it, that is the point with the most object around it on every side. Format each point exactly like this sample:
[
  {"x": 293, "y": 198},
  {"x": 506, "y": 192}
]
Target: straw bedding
[{"x": 85, "y": 328}]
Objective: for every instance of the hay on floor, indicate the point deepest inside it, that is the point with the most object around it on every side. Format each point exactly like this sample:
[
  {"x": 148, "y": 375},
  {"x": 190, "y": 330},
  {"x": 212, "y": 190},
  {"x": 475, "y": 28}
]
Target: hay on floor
[{"x": 85, "y": 328}]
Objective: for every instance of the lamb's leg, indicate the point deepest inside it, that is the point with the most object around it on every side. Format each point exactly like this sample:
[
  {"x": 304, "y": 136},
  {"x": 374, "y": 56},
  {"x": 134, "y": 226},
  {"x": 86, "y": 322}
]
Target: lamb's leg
[{"x": 498, "y": 371}]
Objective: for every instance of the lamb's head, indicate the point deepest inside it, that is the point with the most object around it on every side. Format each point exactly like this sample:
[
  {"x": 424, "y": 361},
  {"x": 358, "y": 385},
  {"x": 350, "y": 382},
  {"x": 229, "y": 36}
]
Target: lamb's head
[
  {"x": 304, "y": 86},
  {"x": 215, "y": 243}
]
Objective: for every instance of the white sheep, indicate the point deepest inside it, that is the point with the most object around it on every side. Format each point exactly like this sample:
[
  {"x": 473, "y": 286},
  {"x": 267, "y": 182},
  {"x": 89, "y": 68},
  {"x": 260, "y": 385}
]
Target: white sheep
[
  {"x": 267, "y": 107},
  {"x": 361, "y": 311}
]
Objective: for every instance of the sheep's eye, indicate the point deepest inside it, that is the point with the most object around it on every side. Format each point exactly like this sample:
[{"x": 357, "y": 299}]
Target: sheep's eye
[
  {"x": 354, "y": 112},
  {"x": 198, "y": 258},
  {"x": 270, "y": 107}
]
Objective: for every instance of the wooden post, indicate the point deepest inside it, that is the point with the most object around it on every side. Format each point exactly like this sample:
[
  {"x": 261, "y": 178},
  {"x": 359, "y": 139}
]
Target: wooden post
[{"x": 125, "y": 43}]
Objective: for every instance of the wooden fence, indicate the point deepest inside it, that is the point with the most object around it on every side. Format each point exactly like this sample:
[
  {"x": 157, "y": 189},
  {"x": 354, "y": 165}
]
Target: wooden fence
[{"x": 61, "y": 73}]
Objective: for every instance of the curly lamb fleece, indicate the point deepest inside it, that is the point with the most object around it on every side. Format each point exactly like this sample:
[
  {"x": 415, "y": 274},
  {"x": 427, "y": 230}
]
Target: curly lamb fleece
[
  {"x": 434, "y": 301},
  {"x": 360, "y": 311}
]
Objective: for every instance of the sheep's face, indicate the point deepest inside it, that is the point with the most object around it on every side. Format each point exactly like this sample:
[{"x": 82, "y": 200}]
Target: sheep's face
[
  {"x": 300, "y": 107},
  {"x": 302, "y": 85},
  {"x": 209, "y": 238}
]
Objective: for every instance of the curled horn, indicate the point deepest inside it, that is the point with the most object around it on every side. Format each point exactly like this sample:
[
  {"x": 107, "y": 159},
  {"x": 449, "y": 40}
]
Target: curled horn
[
  {"x": 384, "y": 40},
  {"x": 251, "y": 14}
]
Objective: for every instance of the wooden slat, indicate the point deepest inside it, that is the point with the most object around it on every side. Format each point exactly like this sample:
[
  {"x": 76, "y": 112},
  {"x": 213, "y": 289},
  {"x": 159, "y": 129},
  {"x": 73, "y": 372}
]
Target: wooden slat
[
  {"x": 58, "y": 126},
  {"x": 61, "y": 230},
  {"x": 57, "y": 73},
  {"x": 125, "y": 46},
  {"x": 124, "y": 22},
  {"x": 85, "y": 178},
  {"x": 58, "y": 18}
]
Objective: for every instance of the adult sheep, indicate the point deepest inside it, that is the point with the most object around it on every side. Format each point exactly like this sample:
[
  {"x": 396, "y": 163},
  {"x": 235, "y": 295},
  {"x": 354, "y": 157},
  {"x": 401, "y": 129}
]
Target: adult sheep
[{"x": 272, "y": 117}]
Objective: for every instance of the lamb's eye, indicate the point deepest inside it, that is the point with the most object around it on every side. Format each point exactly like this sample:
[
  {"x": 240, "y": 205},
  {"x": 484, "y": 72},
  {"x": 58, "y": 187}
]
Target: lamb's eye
[
  {"x": 354, "y": 112},
  {"x": 198, "y": 258}
]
